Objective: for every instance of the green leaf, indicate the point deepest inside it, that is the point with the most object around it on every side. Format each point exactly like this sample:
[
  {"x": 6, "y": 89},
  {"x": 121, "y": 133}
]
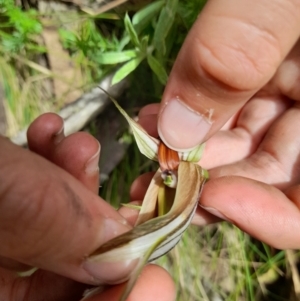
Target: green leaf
[
  {"x": 144, "y": 44},
  {"x": 126, "y": 69},
  {"x": 131, "y": 206},
  {"x": 108, "y": 16},
  {"x": 164, "y": 24},
  {"x": 144, "y": 16},
  {"x": 131, "y": 31},
  {"x": 115, "y": 57},
  {"x": 157, "y": 68}
]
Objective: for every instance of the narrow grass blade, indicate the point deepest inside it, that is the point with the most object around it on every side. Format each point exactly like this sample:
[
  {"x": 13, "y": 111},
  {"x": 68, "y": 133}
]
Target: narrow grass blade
[
  {"x": 158, "y": 69},
  {"x": 126, "y": 69},
  {"x": 131, "y": 206},
  {"x": 131, "y": 31},
  {"x": 164, "y": 24},
  {"x": 146, "y": 15}
]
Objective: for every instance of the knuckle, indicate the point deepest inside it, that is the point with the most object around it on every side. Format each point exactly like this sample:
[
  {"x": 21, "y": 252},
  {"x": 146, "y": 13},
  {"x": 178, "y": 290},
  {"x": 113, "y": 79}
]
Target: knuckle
[
  {"x": 239, "y": 68},
  {"x": 245, "y": 60}
]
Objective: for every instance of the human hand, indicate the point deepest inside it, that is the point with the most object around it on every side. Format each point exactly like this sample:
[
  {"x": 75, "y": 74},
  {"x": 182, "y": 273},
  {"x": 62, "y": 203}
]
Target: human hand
[
  {"x": 51, "y": 218},
  {"x": 233, "y": 73}
]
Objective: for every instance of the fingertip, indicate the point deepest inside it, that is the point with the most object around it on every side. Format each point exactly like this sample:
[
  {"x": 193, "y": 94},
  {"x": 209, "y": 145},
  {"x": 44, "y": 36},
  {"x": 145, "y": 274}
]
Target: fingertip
[
  {"x": 151, "y": 109},
  {"x": 261, "y": 210},
  {"x": 83, "y": 149},
  {"x": 154, "y": 283},
  {"x": 149, "y": 124},
  {"x": 130, "y": 213},
  {"x": 148, "y": 118},
  {"x": 45, "y": 132},
  {"x": 202, "y": 217},
  {"x": 140, "y": 185},
  {"x": 80, "y": 147}
]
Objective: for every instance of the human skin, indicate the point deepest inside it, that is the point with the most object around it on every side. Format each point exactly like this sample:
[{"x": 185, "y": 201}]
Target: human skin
[
  {"x": 52, "y": 218},
  {"x": 235, "y": 86}
]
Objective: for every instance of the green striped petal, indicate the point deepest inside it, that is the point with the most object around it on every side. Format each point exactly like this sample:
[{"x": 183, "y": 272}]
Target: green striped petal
[{"x": 155, "y": 237}]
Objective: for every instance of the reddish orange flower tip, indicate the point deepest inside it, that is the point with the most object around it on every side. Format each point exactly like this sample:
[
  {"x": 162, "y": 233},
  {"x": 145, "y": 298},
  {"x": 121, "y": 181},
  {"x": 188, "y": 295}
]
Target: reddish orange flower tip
[{"x": 168, "y": 159}]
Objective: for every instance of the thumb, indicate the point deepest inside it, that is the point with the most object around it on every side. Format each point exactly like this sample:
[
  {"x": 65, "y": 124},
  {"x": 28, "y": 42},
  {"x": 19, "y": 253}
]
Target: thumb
[
  {"x": 230, "y": 53},
  {"x": 261, "y": 210},
  {"x": 50, "y": 220}
]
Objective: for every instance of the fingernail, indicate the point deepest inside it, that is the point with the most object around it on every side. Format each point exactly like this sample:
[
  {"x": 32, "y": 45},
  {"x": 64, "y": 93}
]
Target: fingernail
[
  {"x": 92, "y": 165},
  {"x": 180, "y": 127},
  {"x": 215, "y": 212},
  {"x": 113, "y": 228},
  {"x": 109, "y": 272},
  {"x": 59, "y": 136}
]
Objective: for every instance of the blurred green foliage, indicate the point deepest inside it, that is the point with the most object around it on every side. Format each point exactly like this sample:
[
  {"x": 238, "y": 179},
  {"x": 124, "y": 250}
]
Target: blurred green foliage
[
  {"x": 153, "y": 34},
  {"x": 19, "y": 29}
]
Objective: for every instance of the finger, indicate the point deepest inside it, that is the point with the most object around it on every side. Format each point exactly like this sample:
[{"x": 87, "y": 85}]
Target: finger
[
  {"x": 13, "y": 265},
  {"x": 140, "y": 185},
  {"x": 258, "y": 209},
  {"x": 41, "y": 285},
  {"x": 287, "y": 77},
  {"x": 149, "y": 123},
  {"x": 48, "y": 219},
  {"x": 203, "y": 217},
  {"x": 45, "y": 133},
  {"x": 230, "y": 53},
  {"x": 239, "y": 142},
  {"x": 46, "y": 138},
  {"x": 79, "y": 155},
  {"x": 154, "y": 283},
  {"x": 130, "y": 213},
  {"x": 293, "y": 194},
  {"x": 148, "y": 118},
  {"x": 277, "y": 160},
  {"x": 151, "y": 109}
]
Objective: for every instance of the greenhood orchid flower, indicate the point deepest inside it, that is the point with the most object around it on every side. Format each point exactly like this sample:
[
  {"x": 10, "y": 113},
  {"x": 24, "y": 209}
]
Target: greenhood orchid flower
[{"x": 167, "y": 209}]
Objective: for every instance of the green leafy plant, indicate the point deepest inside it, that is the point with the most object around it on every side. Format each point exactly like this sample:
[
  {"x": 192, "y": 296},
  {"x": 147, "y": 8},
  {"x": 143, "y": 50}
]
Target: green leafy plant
[
  {"x": 18, "y": 29},
  {"x": 19, "y": 47},
  {"x": 148, "y": 36}
]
